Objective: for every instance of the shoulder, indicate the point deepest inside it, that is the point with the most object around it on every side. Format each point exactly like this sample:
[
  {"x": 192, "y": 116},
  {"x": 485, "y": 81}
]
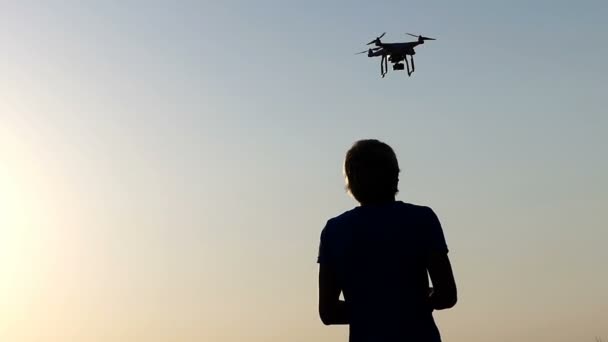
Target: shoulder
[
  {"x": 334, "y": 236},
  {"x": 416, "y": 209},
  {"x": 338, "y": 223},
  {"x": 342, "y": 219}
]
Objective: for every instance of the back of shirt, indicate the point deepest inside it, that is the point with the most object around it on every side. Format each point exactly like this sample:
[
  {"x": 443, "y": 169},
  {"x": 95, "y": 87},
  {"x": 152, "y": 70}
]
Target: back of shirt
[{"x": 380, "y": 253}]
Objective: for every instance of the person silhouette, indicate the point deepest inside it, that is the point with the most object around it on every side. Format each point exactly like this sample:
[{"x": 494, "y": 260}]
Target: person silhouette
[{"x": 380, "y": 255}]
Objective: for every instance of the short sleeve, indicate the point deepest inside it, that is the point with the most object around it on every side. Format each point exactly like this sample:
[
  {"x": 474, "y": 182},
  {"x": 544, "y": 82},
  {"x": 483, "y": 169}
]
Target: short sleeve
[
  {"x": 324, "y": 255},
  {"x": 435, "y": 238}
]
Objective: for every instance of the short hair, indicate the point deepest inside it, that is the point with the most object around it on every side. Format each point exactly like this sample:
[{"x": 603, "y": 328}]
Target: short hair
[{"x": 372, "y": 171}]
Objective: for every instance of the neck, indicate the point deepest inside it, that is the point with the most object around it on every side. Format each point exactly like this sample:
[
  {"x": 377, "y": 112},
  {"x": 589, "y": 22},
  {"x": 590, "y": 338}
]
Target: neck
[{"x": 378, "y": 201}]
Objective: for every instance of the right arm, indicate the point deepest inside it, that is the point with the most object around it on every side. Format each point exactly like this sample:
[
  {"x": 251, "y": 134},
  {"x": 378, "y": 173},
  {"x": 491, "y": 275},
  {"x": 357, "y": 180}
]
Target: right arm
[{"x": 444, "y": 294}]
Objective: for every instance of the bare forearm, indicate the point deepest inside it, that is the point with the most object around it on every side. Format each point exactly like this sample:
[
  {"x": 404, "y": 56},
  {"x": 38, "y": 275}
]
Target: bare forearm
[{"x": 443, "y": 295}]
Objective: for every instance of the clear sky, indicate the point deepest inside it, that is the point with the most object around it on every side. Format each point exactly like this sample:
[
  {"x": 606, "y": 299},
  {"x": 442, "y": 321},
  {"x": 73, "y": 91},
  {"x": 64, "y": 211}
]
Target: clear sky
[{"x": 166, "y": 167}]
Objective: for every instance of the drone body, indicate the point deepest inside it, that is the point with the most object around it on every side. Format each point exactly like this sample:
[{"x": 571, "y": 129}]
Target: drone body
[{"x": 395, "y": 53}]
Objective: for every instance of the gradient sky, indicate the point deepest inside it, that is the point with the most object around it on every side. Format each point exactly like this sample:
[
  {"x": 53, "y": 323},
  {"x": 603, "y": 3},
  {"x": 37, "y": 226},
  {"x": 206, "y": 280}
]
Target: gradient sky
[{"x": 166, "y": 167}]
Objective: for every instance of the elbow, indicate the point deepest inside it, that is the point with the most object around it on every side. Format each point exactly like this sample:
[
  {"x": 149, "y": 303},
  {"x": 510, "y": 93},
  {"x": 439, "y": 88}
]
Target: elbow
[
  {"x": 446, "y": 302},
  {"x": 325, "y": 316},
  {"x": 451, "y": 302},
  {"x": 325, "y": 319}
]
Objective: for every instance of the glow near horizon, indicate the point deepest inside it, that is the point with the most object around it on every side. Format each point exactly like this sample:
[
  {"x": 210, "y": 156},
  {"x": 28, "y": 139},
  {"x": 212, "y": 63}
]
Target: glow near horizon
[{"x": 167, "y": 169}]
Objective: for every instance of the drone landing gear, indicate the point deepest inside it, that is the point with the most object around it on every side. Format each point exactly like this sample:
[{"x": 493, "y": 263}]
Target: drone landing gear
[
  {"x": 383, "y": 66},
  {"x": 409, "y": 73},
  {"x": 397, "y": 66}
]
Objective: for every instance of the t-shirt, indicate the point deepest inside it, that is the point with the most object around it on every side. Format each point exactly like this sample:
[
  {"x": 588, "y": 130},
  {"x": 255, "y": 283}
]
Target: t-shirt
[{"x": 380, "y": 254}]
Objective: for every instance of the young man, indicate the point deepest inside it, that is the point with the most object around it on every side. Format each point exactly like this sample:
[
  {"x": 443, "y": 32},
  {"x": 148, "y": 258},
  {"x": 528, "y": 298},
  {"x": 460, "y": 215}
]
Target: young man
[{"x": 379, "y": 254}]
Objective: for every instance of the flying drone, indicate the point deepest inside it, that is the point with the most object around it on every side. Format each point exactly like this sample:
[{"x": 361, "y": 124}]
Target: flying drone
[{"x": 395, "y": 53}]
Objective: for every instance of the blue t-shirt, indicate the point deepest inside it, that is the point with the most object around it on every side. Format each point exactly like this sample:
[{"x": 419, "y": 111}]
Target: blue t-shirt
[{"x": 380, "y": 254}]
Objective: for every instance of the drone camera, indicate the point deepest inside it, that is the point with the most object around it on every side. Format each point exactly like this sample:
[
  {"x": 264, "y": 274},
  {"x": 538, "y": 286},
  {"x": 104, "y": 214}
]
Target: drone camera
[{"x": 398, "y": 66}]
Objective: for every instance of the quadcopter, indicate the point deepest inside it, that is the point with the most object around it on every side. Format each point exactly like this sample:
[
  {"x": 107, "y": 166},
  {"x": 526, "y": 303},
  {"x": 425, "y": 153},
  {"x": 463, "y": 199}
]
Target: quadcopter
[{"x": 395, "y": 53}]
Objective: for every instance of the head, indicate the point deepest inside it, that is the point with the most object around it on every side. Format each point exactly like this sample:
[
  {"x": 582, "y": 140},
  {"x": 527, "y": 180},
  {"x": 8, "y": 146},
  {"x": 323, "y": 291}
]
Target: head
[{"x": 372, "y": 172}]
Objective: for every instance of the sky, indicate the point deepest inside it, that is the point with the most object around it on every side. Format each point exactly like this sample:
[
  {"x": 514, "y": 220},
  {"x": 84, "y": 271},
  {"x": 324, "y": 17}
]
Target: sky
[{"x": 167, "y": 166}]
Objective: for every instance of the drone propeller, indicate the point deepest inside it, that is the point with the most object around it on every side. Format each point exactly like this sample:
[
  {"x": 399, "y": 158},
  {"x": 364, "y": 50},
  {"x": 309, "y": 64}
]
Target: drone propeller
[
  {"x": 377, "y": 39},
  {"x": 368, "y": 50},
  {"x": 420, "y": 37}
]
